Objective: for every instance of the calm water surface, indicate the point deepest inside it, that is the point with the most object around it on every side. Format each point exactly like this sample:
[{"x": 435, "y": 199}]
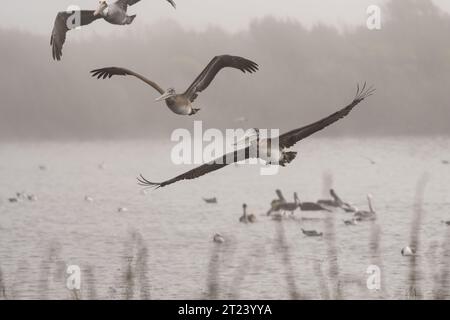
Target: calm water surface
[{"x": 39, "y": 239}]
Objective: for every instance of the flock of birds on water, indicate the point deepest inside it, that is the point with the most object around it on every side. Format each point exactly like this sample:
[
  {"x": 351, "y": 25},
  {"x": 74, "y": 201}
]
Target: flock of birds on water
[
  {"x": 281, "y": 209},
  {"x": 183, "y": 104}
]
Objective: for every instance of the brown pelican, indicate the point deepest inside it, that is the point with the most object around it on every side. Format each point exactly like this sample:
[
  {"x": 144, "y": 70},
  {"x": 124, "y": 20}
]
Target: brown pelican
[
  {"x": 182, "y": 103},
  {"x": 309, "y": 206},
  {"x": 290, "y": 206},
  {"x": 312, "y": 233},
  {"x": 211, "y": 200},
  {"x": 275, "y": 205},
  {"x": 263, "y": 150},
  {"x": 114, "y": 13},
  {"x": 336, "y": 202},
  {"x": 362, "y": 215}
]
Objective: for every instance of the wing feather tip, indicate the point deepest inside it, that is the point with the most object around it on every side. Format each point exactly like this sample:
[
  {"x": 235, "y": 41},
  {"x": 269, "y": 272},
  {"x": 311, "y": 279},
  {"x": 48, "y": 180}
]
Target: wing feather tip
[{"x": 145, "y": 183}]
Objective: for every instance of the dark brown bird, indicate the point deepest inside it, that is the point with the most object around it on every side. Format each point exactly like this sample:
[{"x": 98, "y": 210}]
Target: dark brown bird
[
  {"x": 114, "y": 13},
  {"x": 182, "y": 104},
  {"x": 263, "y": 148}
]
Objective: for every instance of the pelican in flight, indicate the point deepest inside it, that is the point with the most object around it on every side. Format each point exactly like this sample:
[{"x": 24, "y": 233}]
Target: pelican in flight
[
  {"x": 114, "y": 13},
  {"x": 263, "y": 147},
  {"x": 181, "y": 104}
]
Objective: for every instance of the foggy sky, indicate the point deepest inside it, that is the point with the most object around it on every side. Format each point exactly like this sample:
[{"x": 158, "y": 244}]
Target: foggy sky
[
  {"x": 230, "y": 15},
  {"x": 305, "y": 74}
]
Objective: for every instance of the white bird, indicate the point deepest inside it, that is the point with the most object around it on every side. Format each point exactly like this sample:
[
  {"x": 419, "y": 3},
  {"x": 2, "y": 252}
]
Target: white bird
[
  {"x": 362, "y": 215},
  {"x": 122, "y": 209},
  {"x": 88, "y": 199}
]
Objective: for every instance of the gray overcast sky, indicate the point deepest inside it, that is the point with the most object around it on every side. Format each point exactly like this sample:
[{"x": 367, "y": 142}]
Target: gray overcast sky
[{"x": 232, "y": 15}]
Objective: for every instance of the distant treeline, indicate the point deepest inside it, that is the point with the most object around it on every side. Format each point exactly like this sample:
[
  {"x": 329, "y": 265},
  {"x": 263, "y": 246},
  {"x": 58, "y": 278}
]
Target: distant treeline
[{"x": 305, "y": 74}]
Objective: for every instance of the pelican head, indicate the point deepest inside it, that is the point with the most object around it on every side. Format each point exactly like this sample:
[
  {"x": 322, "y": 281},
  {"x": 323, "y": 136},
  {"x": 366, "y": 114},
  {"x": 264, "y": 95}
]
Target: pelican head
[
  {"x": 170, "y": 93},
  {"x": 102, "y": 6}
]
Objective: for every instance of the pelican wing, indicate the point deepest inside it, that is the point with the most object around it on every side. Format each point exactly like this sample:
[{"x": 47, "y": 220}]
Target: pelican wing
[
  {"x": 114, "y": 71},
  {"x": 289, "y": 139},
  {"x": 209, "y": 73},
  {"x": 125, "y": 3},
  {"x": 202, "y": 170},
  {"x": 64, "y": 22}
]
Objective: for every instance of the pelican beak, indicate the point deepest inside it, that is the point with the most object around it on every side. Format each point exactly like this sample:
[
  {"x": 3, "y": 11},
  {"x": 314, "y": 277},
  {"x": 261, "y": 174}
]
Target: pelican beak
[
  {"x": 100, "y": 9},
  {"x": 164, "y": 96}
]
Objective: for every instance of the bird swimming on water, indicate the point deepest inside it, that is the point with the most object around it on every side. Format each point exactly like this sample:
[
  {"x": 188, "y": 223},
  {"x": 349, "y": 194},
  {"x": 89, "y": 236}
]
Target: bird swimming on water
[
  {"x": 247, "y": 218},
  {"x": 182, "y": 104},
  {"x": 114, "y": 13},
  {"x": 312, "y": 233},
  {"x": 263, "y": 148},
  {"x": 210, "y": 200},
  {"x": 218, "y": 238},
  {"x": 408, "y": 251}
]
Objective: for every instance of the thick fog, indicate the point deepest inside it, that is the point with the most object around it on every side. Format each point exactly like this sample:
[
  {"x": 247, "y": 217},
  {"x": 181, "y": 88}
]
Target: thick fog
[{"x": 305, "y": 74}]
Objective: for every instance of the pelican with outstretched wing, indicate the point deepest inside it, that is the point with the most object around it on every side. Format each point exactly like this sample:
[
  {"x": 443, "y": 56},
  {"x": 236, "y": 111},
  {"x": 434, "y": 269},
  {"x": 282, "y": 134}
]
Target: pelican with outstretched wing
[
  {"x": 266, "y": 149},
  {"x": 114, "y": 13},
  {"x": 182, "y": 104}
]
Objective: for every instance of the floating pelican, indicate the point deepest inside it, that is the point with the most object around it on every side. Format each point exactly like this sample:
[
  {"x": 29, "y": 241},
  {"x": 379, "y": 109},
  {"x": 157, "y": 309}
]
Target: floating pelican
[
  {"x": 275, "y": 205},
  {"x": 263, "y": 148},
  {"x": 181, "y": 104},
  {"x": 210, "y": 200},
  {"x": 336, "y": 202},
  {"x": 362, "y": 215},
  {"x": 114, "y": 13},
  {"x": 88, "y": 199},
  {"x": 408, "y": 251},
  {"x": 290, "y": 206},
  {"x": 123, "y": 209},
  {"x": 309, "y": 206},
  {"x": 312, "y": 233},
  {"x": 218, "y": 238},
  {"x": 247, "y": 218}
]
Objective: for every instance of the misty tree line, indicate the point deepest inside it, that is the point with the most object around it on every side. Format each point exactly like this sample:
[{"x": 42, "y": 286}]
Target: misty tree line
[{"x": 305, "y": 74}]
